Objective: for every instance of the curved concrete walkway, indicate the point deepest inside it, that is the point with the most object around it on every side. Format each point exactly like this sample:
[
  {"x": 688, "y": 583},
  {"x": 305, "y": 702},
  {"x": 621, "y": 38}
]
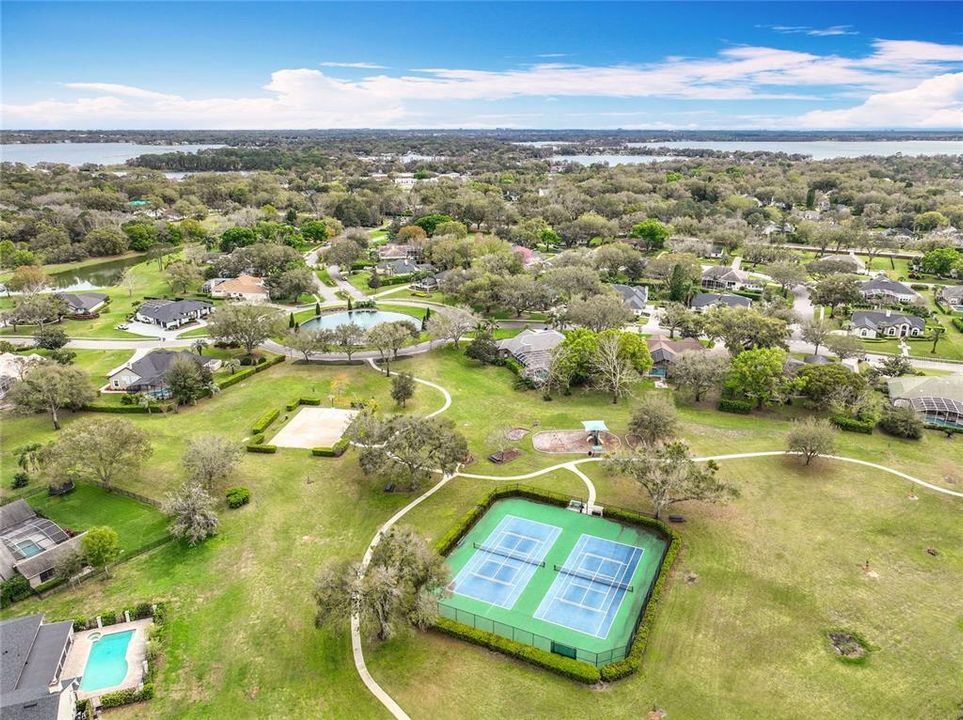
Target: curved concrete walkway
[{"x": 390, "y": 704}]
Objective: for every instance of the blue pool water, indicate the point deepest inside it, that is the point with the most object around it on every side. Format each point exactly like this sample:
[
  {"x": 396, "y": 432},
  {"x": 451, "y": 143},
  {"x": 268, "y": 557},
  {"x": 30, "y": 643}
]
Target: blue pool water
[
  {"x": 107, "y": 662},
  {"x": 362, "y": 318}
]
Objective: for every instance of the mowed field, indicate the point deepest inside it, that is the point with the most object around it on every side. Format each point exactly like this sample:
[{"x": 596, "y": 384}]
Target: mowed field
[{"x": 740, "y": 633}]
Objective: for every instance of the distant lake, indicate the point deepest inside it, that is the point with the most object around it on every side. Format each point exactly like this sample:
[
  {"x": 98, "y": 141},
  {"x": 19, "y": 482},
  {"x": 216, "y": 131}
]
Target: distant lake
[
  {"x": 93, "y": 277},
  {"x": 821, "y": 149},
  {"x": 614, "y": 159},
  {"x": 81, "y": 153}
]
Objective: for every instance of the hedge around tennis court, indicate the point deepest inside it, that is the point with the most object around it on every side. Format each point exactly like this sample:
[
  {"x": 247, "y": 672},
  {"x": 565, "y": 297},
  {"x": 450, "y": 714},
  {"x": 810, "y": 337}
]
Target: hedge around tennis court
[{"x": 550, "y": 661}]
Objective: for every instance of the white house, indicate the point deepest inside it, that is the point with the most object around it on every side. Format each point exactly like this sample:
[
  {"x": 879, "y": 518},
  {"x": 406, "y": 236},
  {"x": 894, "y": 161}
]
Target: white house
[
  {"x": 952, "y": 295},
  {"x": 704, "y": 301},
  {"x": 724, "y": 277},
  {"x": 875, "y": 323},
  {"x": 83, "y": 303},
  {"x": 172, "y": 313},
  {"x": 882, "y": 289}
]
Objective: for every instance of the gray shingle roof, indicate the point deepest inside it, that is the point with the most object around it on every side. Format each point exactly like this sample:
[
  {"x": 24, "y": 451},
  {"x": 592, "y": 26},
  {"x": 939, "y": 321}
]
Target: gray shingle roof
[
  {"x": 952, "y": 293},
  {"x": 875, "y": 320},
  {"x": 48, "y": 559},
  {"x": 725, "y": 272},
  {"x": 883, "y": 285},
  {"x": 166, "y": 311},
  {"x": 706, "y": 299},
  {"x": 152, "y": 367},
  {"x": 15, "y": 513},
  {"x": 82, "y": 302},
  {"x": 29, "y": 662},
  {"x": 635, "y": 296}
]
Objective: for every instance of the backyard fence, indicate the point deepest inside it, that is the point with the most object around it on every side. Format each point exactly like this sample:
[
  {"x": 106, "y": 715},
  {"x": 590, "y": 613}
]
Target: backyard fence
[{"x": 127, "y": 493}]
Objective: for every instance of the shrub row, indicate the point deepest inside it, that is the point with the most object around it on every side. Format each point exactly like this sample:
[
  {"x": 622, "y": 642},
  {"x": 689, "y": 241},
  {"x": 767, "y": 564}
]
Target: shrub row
[
  {"x": 336, "y": 450},
  {"x": 265, "y": 449},
  {"x": 958, "y": 323},
  {"x": 137, "y": 612},
  {"x": 856, "y": 425},
  {"x": 301, "y": 401},
  {"x": 238, "y": 496},
  {"x": 513, "y": 365},
  {"x": 631, "y": 662},
  {"x": 265, "y": 420},
  {"x": 731, "y": 405},
  {"x": 391, "y": 280},
  {"x": 566, "y": 667},
  {"x": 109, "y": 408},
  {"x": 247, "y": 372},
  {"x": 126, "y": 697}
]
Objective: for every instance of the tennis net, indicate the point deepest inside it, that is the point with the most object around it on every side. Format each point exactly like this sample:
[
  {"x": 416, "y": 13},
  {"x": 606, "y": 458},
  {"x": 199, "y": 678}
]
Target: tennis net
[
  {"x": 508, "y": 554},
  {"x": 600, "y": 579}
]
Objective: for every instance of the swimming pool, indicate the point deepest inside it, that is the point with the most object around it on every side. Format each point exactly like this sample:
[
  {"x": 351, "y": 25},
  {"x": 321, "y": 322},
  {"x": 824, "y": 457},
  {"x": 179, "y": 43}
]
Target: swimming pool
[{"x": 107, "y": 662}]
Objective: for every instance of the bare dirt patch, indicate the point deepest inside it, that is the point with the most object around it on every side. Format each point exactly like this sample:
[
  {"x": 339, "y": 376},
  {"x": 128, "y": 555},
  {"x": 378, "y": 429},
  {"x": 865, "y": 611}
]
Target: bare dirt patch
[
  {"x": 516, "y": 433},
  {"x": 572, "y": 441},
  {"x": 848, "y": 646},
  {"x": 504, "y": 456}
]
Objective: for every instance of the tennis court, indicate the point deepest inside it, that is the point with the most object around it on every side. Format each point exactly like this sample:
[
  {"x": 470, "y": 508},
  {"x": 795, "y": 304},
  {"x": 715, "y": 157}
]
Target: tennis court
[
  {"x": 590, "y": 587},
  {"x": 501, "y": 568},
  {"x": 561, "y": 581}
]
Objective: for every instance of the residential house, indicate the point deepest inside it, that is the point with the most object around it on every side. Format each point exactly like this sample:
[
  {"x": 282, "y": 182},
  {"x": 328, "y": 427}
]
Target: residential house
[
  {"x": 532, "y": 349},
  {"x": 32, "y": 686},
  {"x": 886, "y": 323},
  {"x": 883, "y": 290},
  {"x": 146, "y": 374},
  {"x": 392, "y": 251},
  {"x": 634, "y": 296},
  {"x": 937, "y": 400},
  {"x": 724, "y": 277},
  {"x": 30, "y": 545},
  {"x": 404, "y": 266},
  {"x": 952, "y": 295},
  {"x": 83, "y": 303},
  {"x": 704, "y": 301},
  {"x": 244, "y": 287},
  {"x": 664, "y": 352},
  {"x": 172, "y": 313}
]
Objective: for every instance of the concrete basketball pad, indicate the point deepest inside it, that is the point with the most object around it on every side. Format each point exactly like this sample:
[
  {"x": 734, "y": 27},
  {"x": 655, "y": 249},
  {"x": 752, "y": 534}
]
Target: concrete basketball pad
[{"x": 314, "y": 427}]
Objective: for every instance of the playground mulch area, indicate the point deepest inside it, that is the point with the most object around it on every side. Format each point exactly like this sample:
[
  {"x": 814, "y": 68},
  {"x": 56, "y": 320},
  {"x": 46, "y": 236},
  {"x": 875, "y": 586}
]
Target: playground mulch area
[
  {"x": 505, "y": 456},
  {"x": 572, "y": 441}
]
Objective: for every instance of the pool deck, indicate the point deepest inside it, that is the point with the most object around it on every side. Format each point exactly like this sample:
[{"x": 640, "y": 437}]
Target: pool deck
[{"x": 136, "y": 653}]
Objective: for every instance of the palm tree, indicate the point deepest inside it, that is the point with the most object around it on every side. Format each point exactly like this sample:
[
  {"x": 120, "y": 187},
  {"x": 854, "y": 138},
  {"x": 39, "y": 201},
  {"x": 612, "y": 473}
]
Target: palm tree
[
  {"x": 232, "y": 365},
  {"x": 199, "y": 345},
  {"x": 28, "y": 457}
]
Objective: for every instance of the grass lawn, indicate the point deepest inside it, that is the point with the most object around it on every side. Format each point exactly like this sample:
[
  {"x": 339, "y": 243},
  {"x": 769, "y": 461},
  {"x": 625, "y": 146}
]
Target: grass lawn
[
  {"x": 150, "y": 282},
  {"x": 360, "y": 281},
  {"x": 89, "y": 506},
  {"x": 774, "y": 569}
]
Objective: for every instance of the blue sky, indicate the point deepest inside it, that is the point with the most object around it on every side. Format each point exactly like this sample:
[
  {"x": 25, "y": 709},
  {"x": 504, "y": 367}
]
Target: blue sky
[{"x": 541, "y": 65}]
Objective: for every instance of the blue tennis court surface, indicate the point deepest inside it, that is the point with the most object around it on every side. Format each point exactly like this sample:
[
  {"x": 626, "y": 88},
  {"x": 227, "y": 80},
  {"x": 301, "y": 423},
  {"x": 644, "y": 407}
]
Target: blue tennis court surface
[
  {"x": 587, "y": 592},
  {"x": 502, "y": 566}
]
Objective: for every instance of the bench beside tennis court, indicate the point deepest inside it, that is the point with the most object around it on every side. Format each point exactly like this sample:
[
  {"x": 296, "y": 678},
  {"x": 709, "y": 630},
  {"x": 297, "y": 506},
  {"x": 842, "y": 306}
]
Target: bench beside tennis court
[{"x": 561, "y": 581}]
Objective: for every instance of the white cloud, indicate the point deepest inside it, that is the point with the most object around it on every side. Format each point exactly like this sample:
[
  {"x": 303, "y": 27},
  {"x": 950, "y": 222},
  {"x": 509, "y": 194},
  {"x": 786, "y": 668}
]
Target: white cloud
[
  {"x": 355, "y": 65},
  {"x": 830, "y": 31},
  {"x": 879, "y": 84},
  {"x": 934, "y": 103}
]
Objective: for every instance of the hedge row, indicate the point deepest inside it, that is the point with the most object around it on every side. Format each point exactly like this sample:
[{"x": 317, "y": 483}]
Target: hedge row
[
  {"x": 256, "y": 445},
  {"x": 126, "y": 697},
  {"x": 740, "y": 407},
  {"x": 301, "y": 401},
  {"x": 958, "y": 323},
  {"x": 585, "y": 672},
  {"x": 125, "y": 409},
  {"x": 265, "y": 421},
  {"x": 336, "y": 450},
  {"x": 392, "y": 280},
  {"x": 566, "y": 667},
  {"x": 248, "y": 371},
  {"x": 853, "y": 424}
]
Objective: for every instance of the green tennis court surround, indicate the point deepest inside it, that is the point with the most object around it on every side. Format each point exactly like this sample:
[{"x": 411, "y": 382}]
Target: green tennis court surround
[{"x": 558, "y": 580}]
